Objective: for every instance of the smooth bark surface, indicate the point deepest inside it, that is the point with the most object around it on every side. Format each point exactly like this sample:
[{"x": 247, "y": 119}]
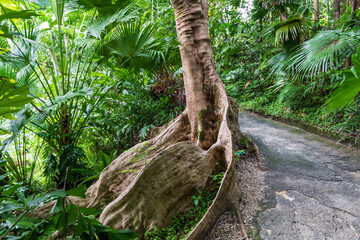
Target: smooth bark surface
[
  {"x": 316, "y": 10},
  {"x": 336, "y": 9},
  {"x": 200, "y": 77},
  {"x": 260, "y": 23}
]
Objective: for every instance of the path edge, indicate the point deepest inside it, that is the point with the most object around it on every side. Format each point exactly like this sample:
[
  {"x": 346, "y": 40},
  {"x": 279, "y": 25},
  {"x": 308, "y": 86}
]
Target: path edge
[{"x": 342, "y": 139}]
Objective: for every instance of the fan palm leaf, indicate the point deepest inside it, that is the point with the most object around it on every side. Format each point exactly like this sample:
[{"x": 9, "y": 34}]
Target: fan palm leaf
[
  {"x": 134, "y": 45},
  {"x": 345, "y": 94},
  {"x": 322, "y": 52}
]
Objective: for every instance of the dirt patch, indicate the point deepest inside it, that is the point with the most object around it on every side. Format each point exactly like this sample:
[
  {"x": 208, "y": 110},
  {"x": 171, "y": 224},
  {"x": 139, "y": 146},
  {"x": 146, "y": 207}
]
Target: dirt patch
[{"x": 250, "y": 181}]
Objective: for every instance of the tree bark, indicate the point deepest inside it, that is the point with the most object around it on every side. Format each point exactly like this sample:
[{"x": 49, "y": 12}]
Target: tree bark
[
  {"x": 199, "y": 70},
  {"x": 344, "y": 4},
  {"x": 260, "y": 23},
  {"x": 316, "y": 10},
  {"x": 336, "y": 9},
  {"x": 355, "y": 4}
]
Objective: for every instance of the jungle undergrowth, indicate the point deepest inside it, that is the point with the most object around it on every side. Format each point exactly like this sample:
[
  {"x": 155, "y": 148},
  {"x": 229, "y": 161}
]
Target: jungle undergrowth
[{"x": 183, "y": 222}]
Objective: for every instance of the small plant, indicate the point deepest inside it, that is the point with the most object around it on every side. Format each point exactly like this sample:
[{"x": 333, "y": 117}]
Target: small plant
[
  {"x": 240, "y": 152},
  {"x": 65, "y": 218},
  {"x": 197, "y": 199}
]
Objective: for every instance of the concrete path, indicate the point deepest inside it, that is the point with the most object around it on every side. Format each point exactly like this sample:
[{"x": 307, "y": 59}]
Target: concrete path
[{"x": 313, "y": 188}]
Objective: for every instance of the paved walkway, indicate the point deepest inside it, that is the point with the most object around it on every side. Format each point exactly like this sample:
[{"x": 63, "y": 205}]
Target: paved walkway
[{"x": 313, "y": 188}]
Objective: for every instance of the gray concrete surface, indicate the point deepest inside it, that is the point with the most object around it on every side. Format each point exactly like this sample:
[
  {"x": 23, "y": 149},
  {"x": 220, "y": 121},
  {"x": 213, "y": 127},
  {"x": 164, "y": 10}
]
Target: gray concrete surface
[{"x": 313, "y": 188}]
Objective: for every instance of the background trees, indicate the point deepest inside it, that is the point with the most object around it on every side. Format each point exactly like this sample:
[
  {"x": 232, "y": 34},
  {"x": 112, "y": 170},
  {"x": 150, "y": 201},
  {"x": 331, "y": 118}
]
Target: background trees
[{"x": 300, "y": 64}]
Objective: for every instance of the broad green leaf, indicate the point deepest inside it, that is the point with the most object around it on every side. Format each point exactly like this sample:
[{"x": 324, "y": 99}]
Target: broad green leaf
[
  {"x": 25, "y": 14},
  {"x": 12, "y": 99},
  {"x": 77, "y": 192},
  {"x": 36, "y": 201},
  {"x": 348, "y": 90},
  {"x": 10, "y": 207},
  {"x": 58, "y": 207},
  {"x": 58, "y": 194},
  {"x": 10, "y": 190},
  {"x": 87, "y": 211}
]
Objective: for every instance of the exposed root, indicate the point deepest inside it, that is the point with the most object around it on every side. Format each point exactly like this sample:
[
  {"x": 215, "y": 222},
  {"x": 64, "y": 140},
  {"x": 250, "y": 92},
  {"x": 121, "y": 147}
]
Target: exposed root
[
  {"x": 121, "y": 173},
  {"x": 152, "y": 181},
  {"x": 241, "y": 222},
  {"x": 257, "y": 153}
]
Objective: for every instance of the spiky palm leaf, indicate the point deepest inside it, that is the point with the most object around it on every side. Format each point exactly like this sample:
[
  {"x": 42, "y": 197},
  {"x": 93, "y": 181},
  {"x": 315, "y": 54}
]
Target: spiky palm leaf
[
  {"x": 323, "y": 51},
  {"x": 288, "y": 33},
  {"x": 345, "y": 94},
  {"x": 103, "y": 28},
  {"x": 104, "y": 6},
  {"x": 133, "y": 45}
]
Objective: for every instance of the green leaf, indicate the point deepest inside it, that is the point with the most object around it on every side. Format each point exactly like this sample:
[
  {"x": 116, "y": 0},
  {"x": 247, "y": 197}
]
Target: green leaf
[
  {"x": 58, "y": 207},
  {"x": 104, "y": 6},
  {"x": 25, "y": 222},
  {"x": 24, "y": 14},
  {"x": 11, "y": 207},
  {"x": 4, "y": 176},
  {"x": 58, "y": 194},
  {"x": 10, "y": 190},
  {"x": 345, "y": 94},
  {"x": 81, "y": 226},
  {"x": 322, "y": 52},
  {"x": 3, "y": 163},
  {"x": 12, "y": 99},
  {"x": 72, "y": 215},
  {"x": 87, "y": 211},
  {"x": 58, "y": 8},
  {"x": 77, "y": 192},
  {"x": 33, "y": 202}
]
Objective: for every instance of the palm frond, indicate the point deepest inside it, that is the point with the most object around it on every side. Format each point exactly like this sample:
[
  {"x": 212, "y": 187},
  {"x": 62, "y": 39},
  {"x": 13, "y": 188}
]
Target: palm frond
[
  {"x": 134, "y": 45},
  {"x": 345, "y": 94},
  {"x": 102, "y": 27},
  {"x": 323, "y": 51},
  {"x": 289, "y": 30},
  {"x": 104, "y": 6}
]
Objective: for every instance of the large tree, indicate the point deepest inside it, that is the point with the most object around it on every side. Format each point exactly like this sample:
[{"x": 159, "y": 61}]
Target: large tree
[{"x": 148, "y": 184}]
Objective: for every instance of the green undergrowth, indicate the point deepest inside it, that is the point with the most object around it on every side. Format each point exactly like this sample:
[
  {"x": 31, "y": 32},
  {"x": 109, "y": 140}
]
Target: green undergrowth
[
  {"x": 184, "y": 222},
  {"x": 340, "y": 121}
]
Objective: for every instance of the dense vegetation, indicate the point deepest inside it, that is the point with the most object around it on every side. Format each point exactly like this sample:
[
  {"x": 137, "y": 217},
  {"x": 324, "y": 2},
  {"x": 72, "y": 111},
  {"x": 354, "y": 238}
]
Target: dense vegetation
[
  {"x": 81, "y": 81},
  {"x": 288, "y": 61}
]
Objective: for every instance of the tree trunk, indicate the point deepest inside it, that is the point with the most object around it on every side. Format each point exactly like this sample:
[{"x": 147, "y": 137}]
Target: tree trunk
[
  {"x": 344, "y": 4},
  {"x": 336, "y": 9},
  {"x": 146, "y": 185},
  {"x": 283, "y": 16},
  {"x": 199, "y": 71},
  {"x": 261, "y": 23},
  {"x": 355, "y": 4},
  {"x": 316, "y": 10}
]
